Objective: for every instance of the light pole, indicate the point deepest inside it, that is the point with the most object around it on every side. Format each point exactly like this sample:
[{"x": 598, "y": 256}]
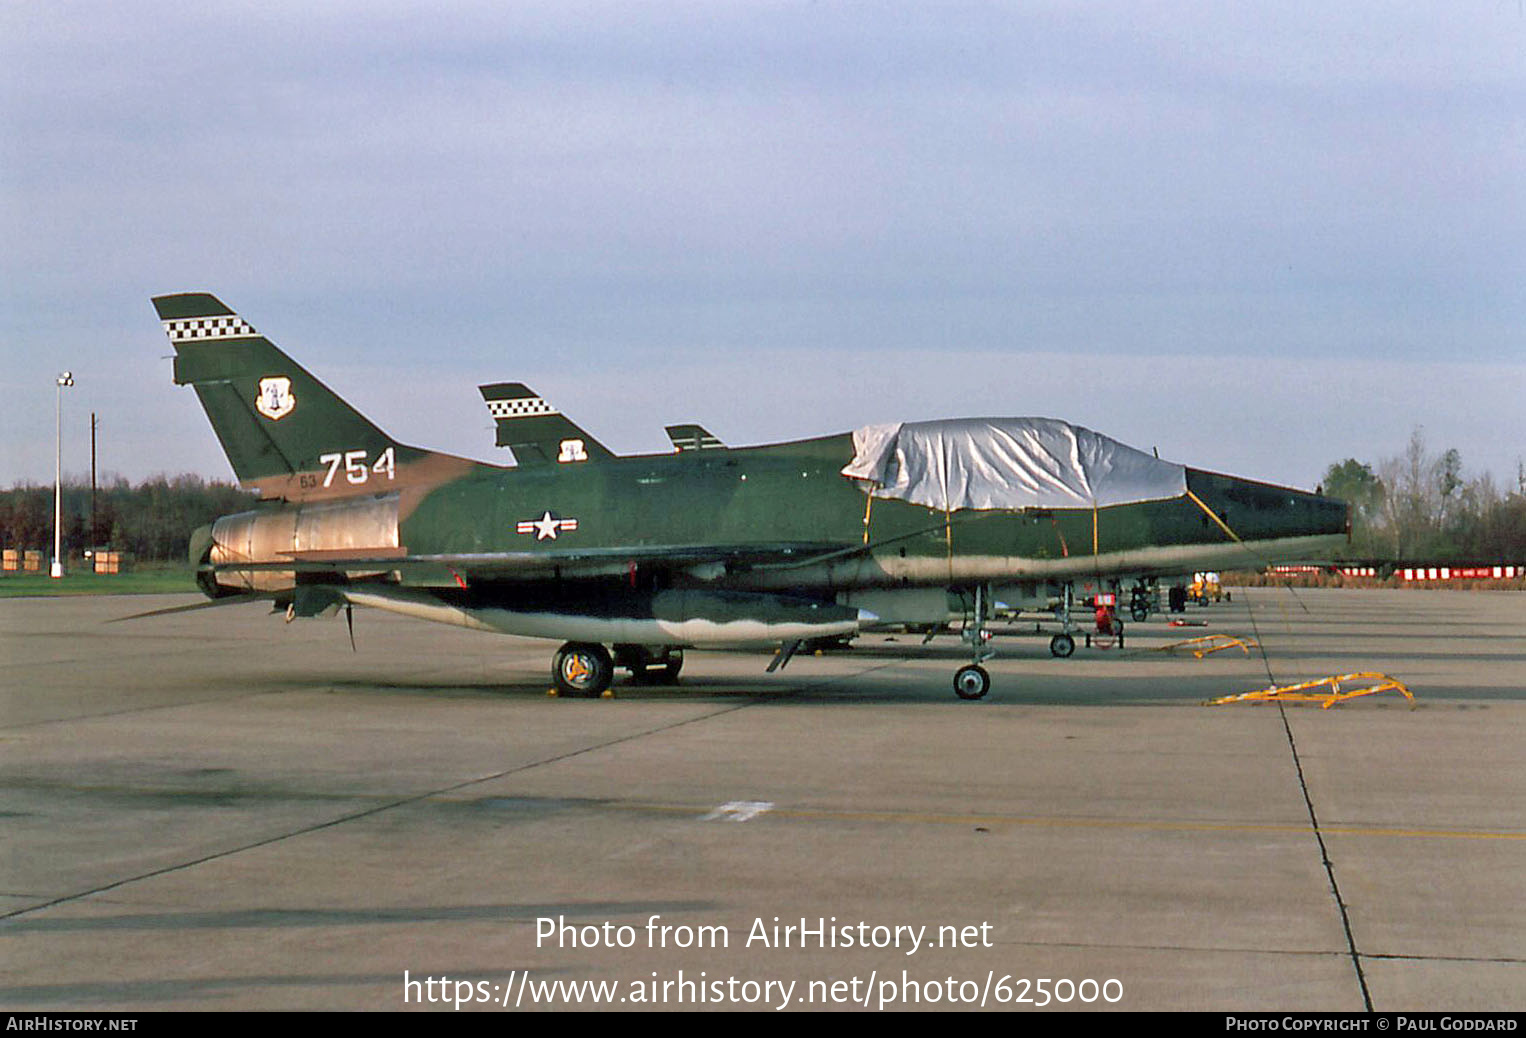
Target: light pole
[{"x": 66, "y": 379}]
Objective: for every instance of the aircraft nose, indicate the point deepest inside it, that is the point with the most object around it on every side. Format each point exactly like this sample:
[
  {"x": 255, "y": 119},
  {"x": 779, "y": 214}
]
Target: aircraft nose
[{"x": 1256, "y": 511}]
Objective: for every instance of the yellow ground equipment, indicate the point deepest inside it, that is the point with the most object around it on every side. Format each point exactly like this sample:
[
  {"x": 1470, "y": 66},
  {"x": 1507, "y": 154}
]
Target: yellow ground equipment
[
  {"x": 1209, "y": 643},
  {"x": 1205, "y": 588},
  {"x": 1334, "y": 690}
]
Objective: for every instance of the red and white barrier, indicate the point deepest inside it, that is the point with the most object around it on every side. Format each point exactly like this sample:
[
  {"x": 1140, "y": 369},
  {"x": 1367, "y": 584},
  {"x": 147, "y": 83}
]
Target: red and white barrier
[{"x": 1420, "y": 573}]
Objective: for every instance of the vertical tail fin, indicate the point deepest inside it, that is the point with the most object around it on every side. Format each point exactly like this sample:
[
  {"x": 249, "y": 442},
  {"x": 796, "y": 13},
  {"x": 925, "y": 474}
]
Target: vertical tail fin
[
  {"x": 536, "y": 432},
  {"x": 285, "y": 432}
]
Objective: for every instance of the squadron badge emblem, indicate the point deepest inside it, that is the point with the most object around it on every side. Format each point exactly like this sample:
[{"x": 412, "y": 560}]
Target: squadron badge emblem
[{"x": 275, "y": 400}]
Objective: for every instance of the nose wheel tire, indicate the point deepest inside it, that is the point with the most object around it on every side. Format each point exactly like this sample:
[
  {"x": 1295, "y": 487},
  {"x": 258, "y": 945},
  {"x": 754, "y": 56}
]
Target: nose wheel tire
[
  {"x": 1062, "y": 645},
  {"x": 582, "y": 669},
  {"x": 971, "y": 682}
]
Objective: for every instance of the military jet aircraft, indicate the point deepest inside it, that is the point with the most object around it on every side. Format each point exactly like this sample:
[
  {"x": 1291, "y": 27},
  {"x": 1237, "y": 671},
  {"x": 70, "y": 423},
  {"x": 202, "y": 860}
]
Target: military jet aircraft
[{"x": 715, "y": 545}]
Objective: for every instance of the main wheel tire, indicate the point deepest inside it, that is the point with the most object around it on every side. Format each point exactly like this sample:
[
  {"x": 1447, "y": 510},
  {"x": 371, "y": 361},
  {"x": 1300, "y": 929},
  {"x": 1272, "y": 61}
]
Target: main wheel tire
[
  {"x": 582, "y": 669},
  {"x": 1062, "y": 646},
  {"x": 1140, "y": 613},
  {"x": 971, "y": 682}
]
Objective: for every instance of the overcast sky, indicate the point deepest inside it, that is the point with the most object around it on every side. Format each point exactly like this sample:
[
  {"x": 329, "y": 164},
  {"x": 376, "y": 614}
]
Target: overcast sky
[{"x": 1260, "y": 237}]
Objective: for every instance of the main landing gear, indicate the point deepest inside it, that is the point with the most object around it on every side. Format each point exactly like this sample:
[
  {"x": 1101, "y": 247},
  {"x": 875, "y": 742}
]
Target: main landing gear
[
  {"x": 582, "y": 669},
  {"x": 971, "y": 681},
  {"x": 586, "y": 669}
]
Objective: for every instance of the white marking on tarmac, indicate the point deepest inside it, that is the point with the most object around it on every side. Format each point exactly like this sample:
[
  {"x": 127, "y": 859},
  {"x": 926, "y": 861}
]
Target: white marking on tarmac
[{"x": 738, "y": 811}]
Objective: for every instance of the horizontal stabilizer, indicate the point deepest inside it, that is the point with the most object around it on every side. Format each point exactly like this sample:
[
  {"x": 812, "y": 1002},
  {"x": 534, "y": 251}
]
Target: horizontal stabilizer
[
  {"x": 196, "y": 607},
  {"x": 693, "y": 438},
  {"x": 536, "y": 432}
]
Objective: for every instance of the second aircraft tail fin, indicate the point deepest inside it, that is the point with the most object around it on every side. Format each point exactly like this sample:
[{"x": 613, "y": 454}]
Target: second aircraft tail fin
[{"x": 536, "y": 432}]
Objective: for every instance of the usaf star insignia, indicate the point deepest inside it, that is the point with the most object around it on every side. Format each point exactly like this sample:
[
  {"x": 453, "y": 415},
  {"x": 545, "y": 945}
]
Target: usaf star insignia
[{"x": 547, "y": 526}]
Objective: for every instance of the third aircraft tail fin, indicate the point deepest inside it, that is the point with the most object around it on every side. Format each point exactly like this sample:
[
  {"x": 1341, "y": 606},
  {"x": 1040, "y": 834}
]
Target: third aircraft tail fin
[{"x": 692, "y": 437}]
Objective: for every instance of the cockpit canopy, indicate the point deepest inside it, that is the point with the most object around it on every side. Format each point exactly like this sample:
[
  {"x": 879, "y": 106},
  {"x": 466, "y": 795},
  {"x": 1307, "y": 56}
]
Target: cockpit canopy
[{"x": 1007, "y": 463}]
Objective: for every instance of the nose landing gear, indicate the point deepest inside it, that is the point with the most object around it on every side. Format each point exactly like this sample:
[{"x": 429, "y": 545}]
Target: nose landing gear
[{"x": 971, "y": 681}]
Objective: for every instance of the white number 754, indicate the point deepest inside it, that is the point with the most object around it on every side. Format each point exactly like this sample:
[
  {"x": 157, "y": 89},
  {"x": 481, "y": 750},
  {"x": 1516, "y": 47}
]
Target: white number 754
[{"x": 356, "y": 471}]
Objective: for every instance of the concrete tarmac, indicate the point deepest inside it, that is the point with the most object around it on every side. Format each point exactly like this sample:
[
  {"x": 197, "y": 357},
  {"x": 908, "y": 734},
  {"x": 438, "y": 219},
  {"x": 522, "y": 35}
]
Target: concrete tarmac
[{"x": 217, "y": 810}]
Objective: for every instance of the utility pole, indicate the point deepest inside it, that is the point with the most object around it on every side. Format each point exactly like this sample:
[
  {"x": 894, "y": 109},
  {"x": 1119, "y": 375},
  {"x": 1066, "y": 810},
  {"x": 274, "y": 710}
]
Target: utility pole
[
  {"x": 65, "y": 380},
  {"x": 95, "y": 538}
]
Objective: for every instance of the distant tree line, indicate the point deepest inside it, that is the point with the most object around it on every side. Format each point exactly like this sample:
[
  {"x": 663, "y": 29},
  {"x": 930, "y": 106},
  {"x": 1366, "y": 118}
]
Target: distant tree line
[
  {"x": 153, "y": 520},
  {"x": 1422, "y": 506}
]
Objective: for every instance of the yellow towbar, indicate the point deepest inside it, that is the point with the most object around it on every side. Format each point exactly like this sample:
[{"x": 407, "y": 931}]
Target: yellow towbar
[
  {"x": 1209, "y": 643},
  {"x": 1335, "y": 690}
]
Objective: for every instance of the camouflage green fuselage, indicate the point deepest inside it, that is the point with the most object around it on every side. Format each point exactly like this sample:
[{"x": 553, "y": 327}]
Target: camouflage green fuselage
[{"x": 794, "y": 494}]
